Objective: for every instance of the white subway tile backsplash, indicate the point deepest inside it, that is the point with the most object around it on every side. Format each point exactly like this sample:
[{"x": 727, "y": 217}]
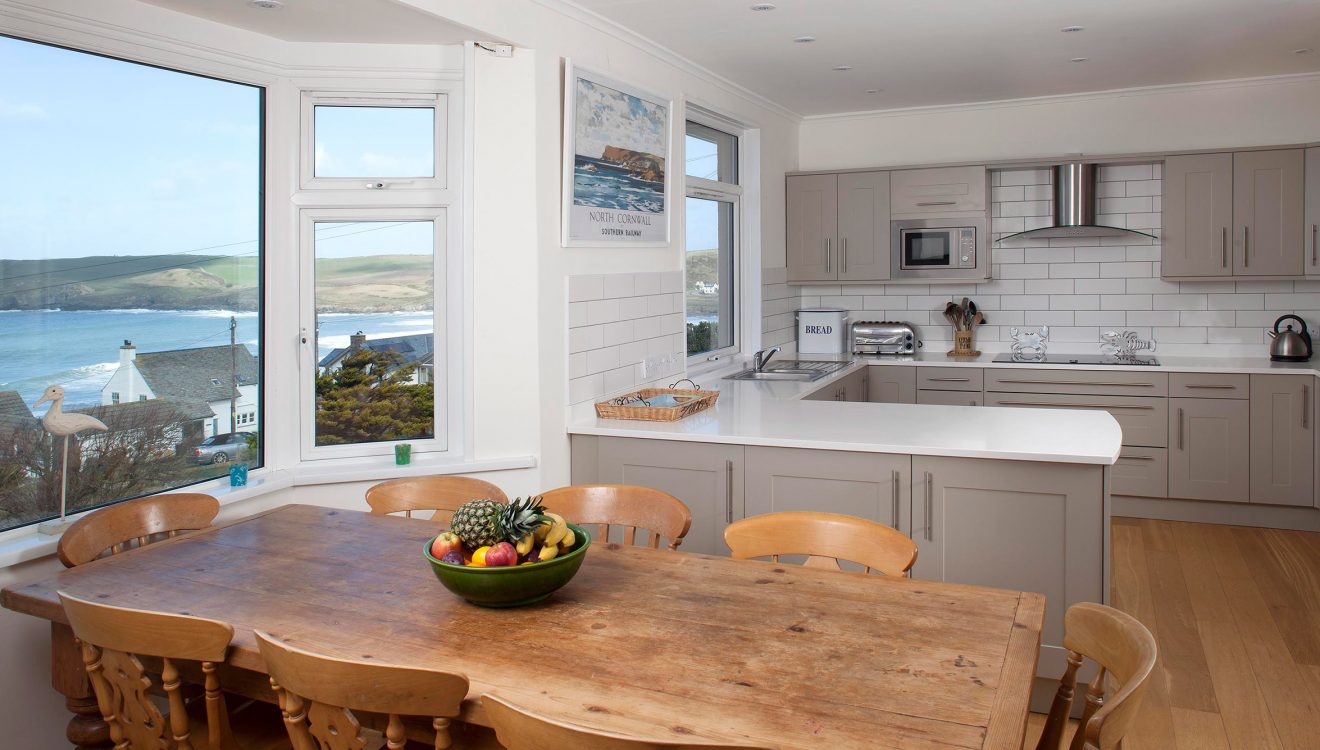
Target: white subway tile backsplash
[
  {"x": 1050, "y": 254},
  {"x": 1075, "y": 302},
  {"x": 1102, "y": 318},
  {"x": 613, "y": 334},
  {"x": 602, "y": 311},
  {"x": 1100, "y": 286},
  {"x": 646, "y": 283},
  {"x": 1236, "y": 301},
  {"x": 1125, "y": 302},
  {"x": 671, "y": 282},
  {"x": 600, "y": 360},
  {"x": 618, "y": 285},
  {"x": 1125, "y": 270},
  {"x": 1049, "y": 286},
  {"x": 617, "y": 320},
  {"x": 1025, "y": 271},
  {"x": 1152, "y": 318},
  {"x": 1207, "y": 318},
  {"x": 631, "y": 308},
  {"x": 1127, "y": 172},
  {"x": 1075, "y": 270}
]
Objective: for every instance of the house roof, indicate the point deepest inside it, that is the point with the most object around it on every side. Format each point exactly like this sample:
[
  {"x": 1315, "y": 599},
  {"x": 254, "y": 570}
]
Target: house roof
[
  {"x": 197, "y": 374},
  {"x": 412, "y": 349},
  {"x": 152, "y": 413},
  {"x": 14, "y": 412}
]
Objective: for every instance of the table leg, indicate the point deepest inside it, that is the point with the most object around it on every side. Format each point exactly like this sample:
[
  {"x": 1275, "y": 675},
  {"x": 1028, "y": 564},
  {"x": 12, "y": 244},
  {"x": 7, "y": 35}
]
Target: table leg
[{"x": 86, "y": 730}]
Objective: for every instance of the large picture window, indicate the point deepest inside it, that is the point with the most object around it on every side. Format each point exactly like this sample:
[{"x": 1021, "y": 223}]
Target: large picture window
[
  {"x": 711, "y": 218},
  {"x": 130, "y": 278}
]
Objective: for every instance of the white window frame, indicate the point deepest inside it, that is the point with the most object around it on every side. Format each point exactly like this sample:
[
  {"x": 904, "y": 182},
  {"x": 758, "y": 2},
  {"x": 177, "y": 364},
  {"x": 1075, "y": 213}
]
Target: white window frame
[
  {"x": 439, "y": 101},
  {"x": 697, "y": 187}
]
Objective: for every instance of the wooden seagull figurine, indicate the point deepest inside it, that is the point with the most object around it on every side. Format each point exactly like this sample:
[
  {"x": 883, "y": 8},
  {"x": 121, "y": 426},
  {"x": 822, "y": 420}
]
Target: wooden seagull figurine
[{"x": 57, "y": 422}]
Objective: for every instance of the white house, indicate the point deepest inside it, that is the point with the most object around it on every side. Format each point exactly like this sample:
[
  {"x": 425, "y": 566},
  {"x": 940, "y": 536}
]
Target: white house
[{"x": 220, "y": 376}]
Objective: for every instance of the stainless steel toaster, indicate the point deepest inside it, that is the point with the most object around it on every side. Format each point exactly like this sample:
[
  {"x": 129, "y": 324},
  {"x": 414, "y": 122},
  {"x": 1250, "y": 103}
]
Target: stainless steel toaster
[{"x": 883, "y": 337}]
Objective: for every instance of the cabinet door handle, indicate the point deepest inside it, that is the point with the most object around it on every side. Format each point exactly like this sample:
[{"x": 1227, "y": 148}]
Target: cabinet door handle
[
  {"x": 937, "y": 203},
  {"x": 866, "y": 389},
  {"x": 1136, "y": 458},
  {"x": 1246, "y": 247},
  {"x": 949, "y": 380},
  {"x": 728, "y": 491},
  {"x": 827, "y": 255},
  {"x": 1076, "y": 405},
  {"x": 1224, "y": 386},
  {"x": 1315, "y": 240},
  {"x": 1223, "y": 247},
  {"x": 930, "y": 505},
  {"x": 1180, "y": 428},
  {"x": 1306, "y": 407},
  {"x": 897, "y": 477},
  {"x": 1077, "y": 382},
  {"x": 843, "y": 255}
]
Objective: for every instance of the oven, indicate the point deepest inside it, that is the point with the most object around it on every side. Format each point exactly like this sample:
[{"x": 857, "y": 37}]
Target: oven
[{"x": 938, "y": 248}]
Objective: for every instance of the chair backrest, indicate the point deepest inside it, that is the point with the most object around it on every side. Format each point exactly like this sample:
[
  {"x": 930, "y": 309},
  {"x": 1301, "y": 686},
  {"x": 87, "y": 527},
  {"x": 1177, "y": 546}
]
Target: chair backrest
[
  {"x": 825, "y": 538},
  {"x": 135, "y": 523},
  {"x": 1126, "y": 652},
  {"x": 442, "y": 494},
  {"x": 656, "y": 513},
  {"x": 318, "y": 694},
  {"x": 113, "y": 639},
  {"x": 520, "y": 729}
]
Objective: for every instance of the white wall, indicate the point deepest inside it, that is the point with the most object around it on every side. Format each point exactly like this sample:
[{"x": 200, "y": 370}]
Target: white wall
[{"x": 1258, "y": 112}]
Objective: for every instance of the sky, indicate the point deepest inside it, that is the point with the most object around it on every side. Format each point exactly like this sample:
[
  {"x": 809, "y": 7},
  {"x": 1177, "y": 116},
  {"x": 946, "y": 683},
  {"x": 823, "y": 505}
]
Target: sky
[
  {"x": 107, "y": 157},
  {"x": 607, "y": 117}
]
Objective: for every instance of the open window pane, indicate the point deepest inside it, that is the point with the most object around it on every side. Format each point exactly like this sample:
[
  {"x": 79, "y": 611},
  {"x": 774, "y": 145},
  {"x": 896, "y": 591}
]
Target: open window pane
[
  {"x": 130, "y": 256},
  {"x": 367, "y": 141},
  {"x": 711, "y": 154},
  {"x": 710, "y": 273},
  {"x": 375, "y": 323}
]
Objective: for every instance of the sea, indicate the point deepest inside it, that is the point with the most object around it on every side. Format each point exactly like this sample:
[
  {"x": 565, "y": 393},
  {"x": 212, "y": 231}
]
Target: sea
[
  {"x": 611, "y": 186},
  {"x": 79, "y": 349}
]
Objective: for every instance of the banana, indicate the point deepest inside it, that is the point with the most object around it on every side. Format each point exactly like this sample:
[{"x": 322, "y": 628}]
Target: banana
[
  {"x": 524, "y": 545},
  {"x": 548, "y": 552},
  {"x": 556, "y": 535},
  {"x": 540, "y": 531},
  {"x": 558, "y": 519},
  {"x": 569, "y": 540}
]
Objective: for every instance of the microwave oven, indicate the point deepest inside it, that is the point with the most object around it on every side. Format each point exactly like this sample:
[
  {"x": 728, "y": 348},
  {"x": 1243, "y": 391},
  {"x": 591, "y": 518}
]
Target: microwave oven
[{"x": 938, "y": 248}]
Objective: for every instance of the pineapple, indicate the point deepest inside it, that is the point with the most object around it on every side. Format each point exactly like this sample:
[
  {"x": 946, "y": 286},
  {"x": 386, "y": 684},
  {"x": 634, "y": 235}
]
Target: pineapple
[{"x": 481, "y": 523}]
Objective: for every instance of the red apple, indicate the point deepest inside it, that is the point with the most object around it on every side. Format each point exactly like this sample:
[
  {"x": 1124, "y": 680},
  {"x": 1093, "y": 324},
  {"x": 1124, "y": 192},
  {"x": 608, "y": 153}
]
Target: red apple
[
  {"x": 446, "y": 542},
  {"x": 501, "y": 554}
]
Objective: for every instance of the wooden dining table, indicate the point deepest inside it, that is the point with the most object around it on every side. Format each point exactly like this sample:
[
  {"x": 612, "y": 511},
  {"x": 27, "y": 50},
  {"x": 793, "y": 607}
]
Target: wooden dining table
[{"x": 646, "y": 642}]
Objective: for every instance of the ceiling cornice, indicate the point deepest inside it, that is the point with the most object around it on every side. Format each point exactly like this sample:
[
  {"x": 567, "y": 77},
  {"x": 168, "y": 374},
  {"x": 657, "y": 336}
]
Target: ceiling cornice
[
  {"x": 651, "y": 47},
  {"x": 1034, "y": 101}
]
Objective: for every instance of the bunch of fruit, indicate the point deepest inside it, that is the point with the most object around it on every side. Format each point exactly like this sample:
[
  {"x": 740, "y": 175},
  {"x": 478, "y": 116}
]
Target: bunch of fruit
[{"x": 488, "y": 533}]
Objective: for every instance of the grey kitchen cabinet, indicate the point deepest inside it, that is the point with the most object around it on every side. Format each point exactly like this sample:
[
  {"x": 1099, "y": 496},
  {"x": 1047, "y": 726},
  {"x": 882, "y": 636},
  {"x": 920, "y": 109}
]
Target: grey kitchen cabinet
[
  {"x": 1282, "y": 440},
  {"x": 1209, "y": 449},
  {"x": 869, "y": 485},
  {"x": 945, "y": 192},
  {"x": 1312, "y": 226},
  {"x": 863, "y": 226},
  {"x": 892, "y": 384},
  {"x": 1268, "y": 212},
  {"x": 1141, "y": 472},
  {"x": 852, "y": 387},
  {"x": 982, "y": 522},
  {"x": 812, "y": 224},
  {"x": 1198, "y": 216},
  {"x": 707, "y": 477},
  {"x": 950, "y": 398},
  {"x": 1143, "y": 419},
  {"x": 950, "y": 379}
]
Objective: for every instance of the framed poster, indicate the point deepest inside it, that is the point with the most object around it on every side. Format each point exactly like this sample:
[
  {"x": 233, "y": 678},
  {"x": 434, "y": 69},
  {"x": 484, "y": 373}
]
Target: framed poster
[{"x": 616, "y": 143}]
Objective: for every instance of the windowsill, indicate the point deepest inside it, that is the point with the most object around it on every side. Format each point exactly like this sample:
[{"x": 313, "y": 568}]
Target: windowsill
[
  {"x": 25, "y": 544},
  {"x": 703, "y": 366}
]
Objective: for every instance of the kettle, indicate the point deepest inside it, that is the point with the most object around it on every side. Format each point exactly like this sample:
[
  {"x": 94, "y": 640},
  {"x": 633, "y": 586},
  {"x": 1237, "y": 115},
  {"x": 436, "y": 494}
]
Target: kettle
[{"x": 1290, "y": 345}]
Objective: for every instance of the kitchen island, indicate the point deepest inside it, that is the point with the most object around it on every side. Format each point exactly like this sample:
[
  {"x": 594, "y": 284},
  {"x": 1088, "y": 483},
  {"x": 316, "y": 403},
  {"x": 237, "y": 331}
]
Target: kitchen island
[{"x": 1009, "y": 498}]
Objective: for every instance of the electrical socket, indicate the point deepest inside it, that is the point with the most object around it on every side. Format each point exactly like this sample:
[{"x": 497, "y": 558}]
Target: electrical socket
[{"x": 658, "y": 366}]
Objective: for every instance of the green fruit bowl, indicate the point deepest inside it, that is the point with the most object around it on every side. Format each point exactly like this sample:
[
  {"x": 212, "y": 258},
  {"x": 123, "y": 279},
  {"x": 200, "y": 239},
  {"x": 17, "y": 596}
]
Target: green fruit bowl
[{"x": 511, "y": 585}]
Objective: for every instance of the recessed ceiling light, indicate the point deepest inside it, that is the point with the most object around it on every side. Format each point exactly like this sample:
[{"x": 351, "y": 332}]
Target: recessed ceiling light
[
  {"x": 841, "y": 67},
  {"x": 1302, "y": 51},
  {"x": 1079, "y": 59},
  {"x": 762, "y": 7},
  {"x": 1071, "y": 29},
  {"x": 266, "y": 4},
  {"x": 805, "y": 39}
]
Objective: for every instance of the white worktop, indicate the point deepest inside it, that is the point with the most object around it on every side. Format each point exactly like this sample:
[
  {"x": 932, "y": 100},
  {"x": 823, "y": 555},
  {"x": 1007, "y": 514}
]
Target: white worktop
[
  {"x": 773, "y": 414},
  {"x": 1260, "y": 365}
]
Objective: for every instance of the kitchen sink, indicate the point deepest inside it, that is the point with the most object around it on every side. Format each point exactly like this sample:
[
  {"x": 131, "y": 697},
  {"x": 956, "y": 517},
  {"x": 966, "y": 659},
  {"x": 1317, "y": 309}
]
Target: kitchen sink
[{"x": 805, "y": 370}]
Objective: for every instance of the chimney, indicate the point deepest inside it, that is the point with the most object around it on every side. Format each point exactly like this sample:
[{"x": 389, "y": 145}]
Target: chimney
[
  {"x": 127, "y": 353},
  {"x": 357, "y": 340}
]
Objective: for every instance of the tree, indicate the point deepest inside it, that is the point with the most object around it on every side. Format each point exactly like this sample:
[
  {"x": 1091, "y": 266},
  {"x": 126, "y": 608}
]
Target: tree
[
  {"x": 370, "y": 398},
  {"x": 701, "y": 336}
]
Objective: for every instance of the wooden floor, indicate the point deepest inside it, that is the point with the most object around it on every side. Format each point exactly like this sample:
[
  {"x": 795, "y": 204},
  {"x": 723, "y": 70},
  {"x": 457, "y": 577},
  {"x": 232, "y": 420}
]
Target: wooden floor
[{"x": 1236, "y": 612}]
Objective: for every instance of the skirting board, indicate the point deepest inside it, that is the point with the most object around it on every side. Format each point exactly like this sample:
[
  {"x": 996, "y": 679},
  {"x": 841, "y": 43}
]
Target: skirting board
[{"x": 1205, "y": 511}]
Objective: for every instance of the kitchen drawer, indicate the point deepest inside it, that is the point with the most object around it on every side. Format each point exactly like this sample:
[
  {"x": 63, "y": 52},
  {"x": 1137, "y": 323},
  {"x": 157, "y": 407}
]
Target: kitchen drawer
[
  {"x": 1143, "y": 472},
  {"x": 950, "y": 398},
  {"x": 1093, "y": 382},
  {"x": 943, "y": 191},
  {"x": 1145, "y": 421},
  {"x": 950, "y": 378},
  {"x": 1209, "y": 385}
]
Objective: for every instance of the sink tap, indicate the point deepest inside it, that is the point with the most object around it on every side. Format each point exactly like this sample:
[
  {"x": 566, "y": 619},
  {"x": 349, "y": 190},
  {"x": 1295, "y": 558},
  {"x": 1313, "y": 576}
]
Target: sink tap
[{"x": 762, "y": 358}]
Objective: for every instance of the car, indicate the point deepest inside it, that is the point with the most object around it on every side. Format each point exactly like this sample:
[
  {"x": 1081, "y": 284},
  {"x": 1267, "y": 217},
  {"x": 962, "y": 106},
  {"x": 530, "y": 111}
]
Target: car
[{"x": 220, "y": 449}]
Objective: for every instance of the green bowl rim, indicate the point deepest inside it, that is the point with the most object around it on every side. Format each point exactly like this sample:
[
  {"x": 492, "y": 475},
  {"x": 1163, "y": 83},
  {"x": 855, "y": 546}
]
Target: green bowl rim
[{"x": 578, "y": 550}]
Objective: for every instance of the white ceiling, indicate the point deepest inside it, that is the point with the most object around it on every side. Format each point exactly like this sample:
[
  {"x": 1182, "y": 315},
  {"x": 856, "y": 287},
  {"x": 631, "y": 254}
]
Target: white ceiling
[
  {"x": 930, "y": 52},
  {"x": 361, "y": 21}
]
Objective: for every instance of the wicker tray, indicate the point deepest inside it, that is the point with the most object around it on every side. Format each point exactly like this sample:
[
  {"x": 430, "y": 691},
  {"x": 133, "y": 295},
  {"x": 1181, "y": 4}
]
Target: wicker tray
[{"x": 633, "y": 406}]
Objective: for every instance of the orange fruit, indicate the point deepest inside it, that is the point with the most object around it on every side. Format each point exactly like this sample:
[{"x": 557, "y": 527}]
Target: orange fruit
[{"x": 479, "y": 556}]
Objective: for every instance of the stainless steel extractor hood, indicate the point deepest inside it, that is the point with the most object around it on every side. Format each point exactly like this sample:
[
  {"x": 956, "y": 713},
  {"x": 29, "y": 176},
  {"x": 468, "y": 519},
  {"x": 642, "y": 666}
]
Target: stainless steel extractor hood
[{"x": 1074, "y": 208}]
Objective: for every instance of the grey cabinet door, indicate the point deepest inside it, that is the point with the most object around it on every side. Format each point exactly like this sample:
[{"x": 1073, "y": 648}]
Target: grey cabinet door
[
  {"x": 708, "y": 477},
  {"x": 950, "y": 398},
  {"x": 1209, "y": 449},
  {"x": 983, "y": 522},
  {"x": 1282, "y": 439},
  {"x": 1312, "y": 226},
  {"x": 892, "y": 384},
  {"x": 812, "y": 223},
  {"x": 856, "y": 387},
  {"x": 869, "y": 485},
  {"x": 1198, "y": 216},
  {"x": 864, "y": 226},
  {"x": 1267, "y": 212}
]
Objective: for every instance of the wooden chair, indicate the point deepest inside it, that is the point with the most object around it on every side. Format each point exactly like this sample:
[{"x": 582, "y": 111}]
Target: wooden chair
[
  {"x": 1126, "y": 652},
  {"x": 113, "y": 641},
  {"x": 318, "y": 695},
  {"x": 443, "y": 494},
  {"x": 656, "y": 513},
  {"x": 520, "y": 729},
  {"x": 825, "y": 538},
  {"x": 135, "y": 523}
]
